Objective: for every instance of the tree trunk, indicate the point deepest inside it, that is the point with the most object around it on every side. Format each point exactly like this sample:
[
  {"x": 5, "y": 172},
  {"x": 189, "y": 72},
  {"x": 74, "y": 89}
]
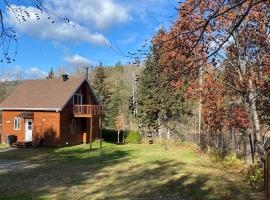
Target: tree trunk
[
  {"x": 251, "y": 99},
  {"x": 118, "y": 133},
  {"x": 200, "y": 103},
  {"x": 256, "y": 122}
]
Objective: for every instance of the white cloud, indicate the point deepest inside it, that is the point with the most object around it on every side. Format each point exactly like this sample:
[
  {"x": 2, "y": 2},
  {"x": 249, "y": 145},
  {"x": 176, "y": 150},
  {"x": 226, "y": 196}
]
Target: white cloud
[
  {"x": 19, "y": 73},
  {"x": 43, "y": 28},
  {"x": 101, "y": 13},
  {"x": 77, "y": 60}
]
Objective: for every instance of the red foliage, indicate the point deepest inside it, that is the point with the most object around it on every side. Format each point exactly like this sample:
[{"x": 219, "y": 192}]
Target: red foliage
[
  {"x": 239, "y": 118},
  {"x": 196, "y": 34}
]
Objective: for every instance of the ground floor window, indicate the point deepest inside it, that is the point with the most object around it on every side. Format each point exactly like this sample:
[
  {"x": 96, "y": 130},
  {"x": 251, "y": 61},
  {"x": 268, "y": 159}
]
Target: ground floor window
[
  {"x": 73, "y": 126},
  {"x": 17, "y": 123}
]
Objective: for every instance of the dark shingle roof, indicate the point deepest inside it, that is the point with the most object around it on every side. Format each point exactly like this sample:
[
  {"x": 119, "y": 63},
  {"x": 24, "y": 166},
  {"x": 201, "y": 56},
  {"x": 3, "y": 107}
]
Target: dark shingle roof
[{"x": 51, "y": 94}]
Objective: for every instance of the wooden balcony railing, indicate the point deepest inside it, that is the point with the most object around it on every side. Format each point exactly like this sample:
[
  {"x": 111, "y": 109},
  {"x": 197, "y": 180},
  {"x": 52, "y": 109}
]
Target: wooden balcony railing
[{"x": 87, "y": 110}]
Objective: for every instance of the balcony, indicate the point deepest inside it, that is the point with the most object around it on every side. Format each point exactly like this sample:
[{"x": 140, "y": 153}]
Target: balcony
[{"x": 87, "y": 110}]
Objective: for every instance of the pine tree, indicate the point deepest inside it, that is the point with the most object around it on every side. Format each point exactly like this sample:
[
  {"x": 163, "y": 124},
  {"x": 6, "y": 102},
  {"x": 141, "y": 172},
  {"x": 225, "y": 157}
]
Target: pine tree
[
  {"x": 113, "y": 109},
  {"x": 158, "y": 102},
  {"x": 102, "y": 89},
  {"x": 100, "y": 86},
  {"x": 118, "y": 64},
  {"x": 149, "y": 101},
  {"x": 51, "y": 74}
]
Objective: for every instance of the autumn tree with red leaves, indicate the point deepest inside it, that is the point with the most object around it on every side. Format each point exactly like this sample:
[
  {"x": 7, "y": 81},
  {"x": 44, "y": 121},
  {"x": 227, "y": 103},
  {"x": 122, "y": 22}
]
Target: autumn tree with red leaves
[{"x": 217, "y": 52}]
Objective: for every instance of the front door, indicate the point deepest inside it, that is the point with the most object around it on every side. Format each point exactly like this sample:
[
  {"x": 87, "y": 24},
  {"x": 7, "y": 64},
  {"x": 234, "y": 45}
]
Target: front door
[{"x": 28, "y": 129}]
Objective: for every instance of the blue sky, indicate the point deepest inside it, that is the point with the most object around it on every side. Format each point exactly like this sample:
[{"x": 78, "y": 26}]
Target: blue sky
[{"x": 94, "y": 24}]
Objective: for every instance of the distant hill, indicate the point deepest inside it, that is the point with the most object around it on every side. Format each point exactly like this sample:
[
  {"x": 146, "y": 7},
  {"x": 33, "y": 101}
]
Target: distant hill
[{"x": 6, "y": 87}]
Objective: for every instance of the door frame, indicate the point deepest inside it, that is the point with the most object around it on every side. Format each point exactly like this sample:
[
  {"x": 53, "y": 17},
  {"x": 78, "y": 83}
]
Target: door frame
[{"x": 26, "y": 131}]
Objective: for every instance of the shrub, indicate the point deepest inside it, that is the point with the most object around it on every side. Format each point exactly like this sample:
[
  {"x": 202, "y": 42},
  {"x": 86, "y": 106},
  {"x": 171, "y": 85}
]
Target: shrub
[
  {"x": 216, "y": 154},
  {"x": 132, "y": 137},
  {"x": 254, "y": 175},
  {"x": 229, "y": 160},
  {"x": 110, "y": 135},
  {"x": 232, "y": 161}
]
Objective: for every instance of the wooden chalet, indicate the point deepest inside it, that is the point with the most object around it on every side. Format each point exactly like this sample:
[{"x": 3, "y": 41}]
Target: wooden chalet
[{"x": 54, "y": 112}]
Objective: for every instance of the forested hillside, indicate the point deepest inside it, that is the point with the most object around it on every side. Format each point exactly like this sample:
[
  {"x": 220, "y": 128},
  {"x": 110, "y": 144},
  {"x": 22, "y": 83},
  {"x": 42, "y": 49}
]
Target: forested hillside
[
  {"x": 116, "y": 86},
  {"x": 6, "y": 88}
]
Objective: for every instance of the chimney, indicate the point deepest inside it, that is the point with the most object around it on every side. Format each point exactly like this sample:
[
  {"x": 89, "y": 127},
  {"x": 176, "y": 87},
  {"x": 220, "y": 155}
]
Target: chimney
[
  {"x": 86, "y": 72},
  {"x": 65, "y": 77}
]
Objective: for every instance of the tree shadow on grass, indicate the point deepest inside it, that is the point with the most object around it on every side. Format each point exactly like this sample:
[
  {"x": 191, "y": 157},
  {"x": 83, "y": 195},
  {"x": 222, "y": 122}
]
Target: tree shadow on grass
[
  {"x": 54, "y": 170},
  {"x": 166, "y": 181},
  {"x": 110, "y": 173}
]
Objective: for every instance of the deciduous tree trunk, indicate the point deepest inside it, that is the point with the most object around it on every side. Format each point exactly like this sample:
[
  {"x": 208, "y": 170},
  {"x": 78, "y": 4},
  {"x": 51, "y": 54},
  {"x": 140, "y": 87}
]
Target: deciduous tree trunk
[
  {"x": 200, "y": 103},
  {"x": 255, "y": 118}
]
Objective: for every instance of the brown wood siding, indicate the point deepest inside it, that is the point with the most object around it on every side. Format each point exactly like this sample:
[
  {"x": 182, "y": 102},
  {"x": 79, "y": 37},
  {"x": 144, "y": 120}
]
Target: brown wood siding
[
  {"x": 66, "y": 117},
  {"x": 55, "y": 127},
  {"x": 46, "y": 126},
  {"x": 83, "y": 124}
]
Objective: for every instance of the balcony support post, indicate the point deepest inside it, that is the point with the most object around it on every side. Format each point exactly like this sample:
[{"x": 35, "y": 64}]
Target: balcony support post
[
  {"x": 91, "y": 132},
  {"x": 100, "y": 131}
]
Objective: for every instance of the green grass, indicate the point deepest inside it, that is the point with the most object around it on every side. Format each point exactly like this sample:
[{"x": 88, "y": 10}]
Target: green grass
[
  {"x": 2, "y": 146},
  {"x": 119, "y": 172}
]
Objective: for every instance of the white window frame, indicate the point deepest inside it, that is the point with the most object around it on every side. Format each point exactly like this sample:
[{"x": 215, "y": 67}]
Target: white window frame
[{"x": 17, "y": 121}]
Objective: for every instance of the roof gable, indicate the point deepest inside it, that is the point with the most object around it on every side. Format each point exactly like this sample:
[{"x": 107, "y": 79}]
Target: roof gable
[{"x": 49, "y": 95}]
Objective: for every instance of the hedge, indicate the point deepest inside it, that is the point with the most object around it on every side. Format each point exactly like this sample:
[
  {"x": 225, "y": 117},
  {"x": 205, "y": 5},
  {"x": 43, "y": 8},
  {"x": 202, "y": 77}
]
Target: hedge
[
  {"x": 132, "y": 137},
  {"x": 110, "y": 135}
]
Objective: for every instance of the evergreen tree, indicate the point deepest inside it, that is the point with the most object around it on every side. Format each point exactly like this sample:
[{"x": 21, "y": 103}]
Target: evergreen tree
[
  {"x": 148, "y": 92},
  {"x": 100, "y": 85},
  {"x": 51, "y": 74},
  {"x": 102, "y": 89},
  {"x": 158, "y": 102},
  {"x": 113, "y": 109},
  {"x": 118, "y": 64}
]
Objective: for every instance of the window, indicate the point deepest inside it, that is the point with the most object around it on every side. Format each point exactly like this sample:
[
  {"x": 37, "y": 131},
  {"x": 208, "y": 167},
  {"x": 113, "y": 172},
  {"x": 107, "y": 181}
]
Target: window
[
  {"x": 29, "y": 125},
  {"x": 73, "y": 126},
  {"x": 17, "y": 123},
  {"x": 77, "y": 99}
]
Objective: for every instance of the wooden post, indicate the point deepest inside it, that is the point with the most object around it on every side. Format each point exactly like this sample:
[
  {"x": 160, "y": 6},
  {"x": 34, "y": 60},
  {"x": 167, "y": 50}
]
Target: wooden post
[
  {"x": 91, "y": 132},
  {"x": 100, "y": 131},
  {"x": 251, "y": 148},
  {"x": 265, "y": 169}
]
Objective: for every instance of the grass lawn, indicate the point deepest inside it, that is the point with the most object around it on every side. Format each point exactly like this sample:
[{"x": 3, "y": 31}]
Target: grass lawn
[
  {"x": 118, "y": 172},
  {"x": 2, "y": 146}
]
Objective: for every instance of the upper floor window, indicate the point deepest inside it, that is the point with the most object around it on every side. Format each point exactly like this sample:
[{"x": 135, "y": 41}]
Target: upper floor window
[
  {"x": 17, "y": 123},
  {"x": 77, "y": 99}
]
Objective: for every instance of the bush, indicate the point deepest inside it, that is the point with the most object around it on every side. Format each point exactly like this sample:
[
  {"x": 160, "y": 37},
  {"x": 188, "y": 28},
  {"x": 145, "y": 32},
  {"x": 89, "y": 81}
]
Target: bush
[
  {"x": 132, "y": 137},
  {"x": 216, "y": 154},
  {"x": 254, "y": 175},
  {"x": 110, "y": 135},
  {"x": 229, "y": 160},
  {"x": 232, "y": 161}
]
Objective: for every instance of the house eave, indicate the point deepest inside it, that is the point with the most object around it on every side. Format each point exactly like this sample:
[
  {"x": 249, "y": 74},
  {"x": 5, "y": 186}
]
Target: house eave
[{"x": 32, "y": 109}]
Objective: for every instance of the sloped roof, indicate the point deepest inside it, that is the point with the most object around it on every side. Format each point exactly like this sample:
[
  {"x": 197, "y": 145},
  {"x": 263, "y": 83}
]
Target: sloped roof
[{"x": 50, "y": 94}]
